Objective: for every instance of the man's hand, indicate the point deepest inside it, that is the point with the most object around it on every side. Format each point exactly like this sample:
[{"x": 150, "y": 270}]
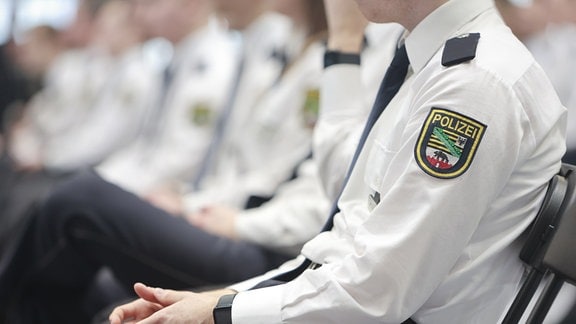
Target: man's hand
[
  {"x": 218, "y": 220},
  {"x": 346, "y": 26},
  {"x": 166, "y": 306}
]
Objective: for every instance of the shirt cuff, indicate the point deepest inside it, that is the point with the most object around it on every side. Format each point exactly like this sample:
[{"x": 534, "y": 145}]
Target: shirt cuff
[
  {"x": 244, "y": 225},
  {"x": 258, "y": 306},
  {"x": 250, "y": 283},
  {"x": 337, "y": 57}
]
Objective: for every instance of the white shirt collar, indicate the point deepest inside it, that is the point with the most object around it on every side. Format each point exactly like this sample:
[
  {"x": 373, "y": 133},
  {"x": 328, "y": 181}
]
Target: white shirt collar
[{"x": 440, "y": 25}]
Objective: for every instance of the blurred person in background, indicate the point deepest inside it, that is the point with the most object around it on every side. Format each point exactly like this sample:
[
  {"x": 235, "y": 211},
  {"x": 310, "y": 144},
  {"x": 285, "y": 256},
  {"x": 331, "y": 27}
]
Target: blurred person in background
[
  {"x": 197, "y": 80},
  {"x": 37, "y": 51},
  {"x": 92, "y": 103},
  {"x": 23, "y": 71},
  {"x": 257, "y": 35},
  {"x": 272, "y": 149},
  {"x": 75, "y": 97},
  {"x": 23, "y": 65},
  {"x": 268, "y": 134},
  {"x": 115, "y": 113},
  {"x": 23, "y": 181}
]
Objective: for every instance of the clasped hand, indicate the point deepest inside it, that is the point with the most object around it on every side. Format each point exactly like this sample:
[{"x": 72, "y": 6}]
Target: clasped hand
[{"x": 158, "y": 305}]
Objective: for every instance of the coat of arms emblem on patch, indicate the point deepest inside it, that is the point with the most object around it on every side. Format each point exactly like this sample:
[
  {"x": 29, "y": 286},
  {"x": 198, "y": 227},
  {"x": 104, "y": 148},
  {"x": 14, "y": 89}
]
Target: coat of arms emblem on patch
[{"x": 447, "y": 143}]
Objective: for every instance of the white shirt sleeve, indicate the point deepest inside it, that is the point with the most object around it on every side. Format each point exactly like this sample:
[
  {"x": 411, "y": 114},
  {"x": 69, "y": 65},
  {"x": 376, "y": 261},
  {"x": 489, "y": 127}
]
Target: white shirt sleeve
[
  {"x": 252, "y": 282},
  {"x": 294, "y": 216},
  {"x": 342, "y": 116}
]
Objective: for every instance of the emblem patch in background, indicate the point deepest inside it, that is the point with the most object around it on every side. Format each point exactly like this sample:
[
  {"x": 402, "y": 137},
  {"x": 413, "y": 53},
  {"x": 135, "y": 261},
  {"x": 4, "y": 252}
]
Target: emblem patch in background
[
  {"x": 311, "y": 108},
  {"x": 447, "y": 143},
  {"x": 201, "y": 114}
]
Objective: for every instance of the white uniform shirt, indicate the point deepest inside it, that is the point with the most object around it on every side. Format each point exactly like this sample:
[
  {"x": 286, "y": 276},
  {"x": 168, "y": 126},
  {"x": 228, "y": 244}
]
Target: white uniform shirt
[
  {"x": 436, "y": 250},
  {"x": 72, "y": 85},
  {"x": 114, "y": 116},
  {"x": 203, "y": 68}
]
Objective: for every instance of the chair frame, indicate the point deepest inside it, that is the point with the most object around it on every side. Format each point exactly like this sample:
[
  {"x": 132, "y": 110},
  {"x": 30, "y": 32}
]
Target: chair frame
[{"x": 544, "y": 250}]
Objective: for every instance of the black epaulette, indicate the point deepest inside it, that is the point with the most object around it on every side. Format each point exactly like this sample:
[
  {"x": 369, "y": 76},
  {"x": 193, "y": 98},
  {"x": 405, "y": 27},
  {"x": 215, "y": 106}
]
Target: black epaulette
[{"x": 460, "y": 49}]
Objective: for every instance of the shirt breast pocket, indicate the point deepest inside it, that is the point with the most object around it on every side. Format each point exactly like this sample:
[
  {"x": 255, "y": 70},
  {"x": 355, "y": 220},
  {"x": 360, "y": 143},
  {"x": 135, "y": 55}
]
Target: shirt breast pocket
[{"x": 379, "y": 158}]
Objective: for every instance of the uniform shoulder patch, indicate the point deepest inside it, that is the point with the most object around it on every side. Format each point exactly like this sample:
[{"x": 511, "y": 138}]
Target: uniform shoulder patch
[
  {"x": 447, "y": 143},
  {"x": 200, "y": 114},
  {"x": 460, "y": 49}
]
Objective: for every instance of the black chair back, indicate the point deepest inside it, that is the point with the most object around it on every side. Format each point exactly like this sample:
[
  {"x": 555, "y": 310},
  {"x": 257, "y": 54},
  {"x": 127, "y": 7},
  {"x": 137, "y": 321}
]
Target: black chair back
[{"x": 549, "y": 248}]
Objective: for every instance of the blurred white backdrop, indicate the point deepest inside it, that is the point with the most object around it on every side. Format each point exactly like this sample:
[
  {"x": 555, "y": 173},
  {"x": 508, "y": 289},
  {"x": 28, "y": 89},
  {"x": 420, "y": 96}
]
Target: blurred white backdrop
[{"x": 17, "y": 16}]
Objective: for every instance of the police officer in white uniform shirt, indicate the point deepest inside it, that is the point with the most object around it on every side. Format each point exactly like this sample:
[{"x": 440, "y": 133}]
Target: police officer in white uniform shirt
[
  {"x": 179, "y": 126},
  {"x": 266, "y": 36},
  {"x": 93, "y": 98},
  {"x": 264, "y": 150},
  {"x": 444, "y": 186},
  {"x": 70, "y": 92},
  {"x": 119, "y": 106}
]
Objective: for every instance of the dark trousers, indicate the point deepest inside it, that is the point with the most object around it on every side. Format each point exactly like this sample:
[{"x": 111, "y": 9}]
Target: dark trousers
[
  {"x": 87, "y": 224},
  {"x": 18, "y": 191}
]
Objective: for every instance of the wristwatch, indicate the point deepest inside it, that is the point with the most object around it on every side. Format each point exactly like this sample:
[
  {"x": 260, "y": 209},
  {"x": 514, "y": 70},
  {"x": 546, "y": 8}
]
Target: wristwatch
[
  {"x": 222, "y": 313},
  {"x": 337, "y": 57}
]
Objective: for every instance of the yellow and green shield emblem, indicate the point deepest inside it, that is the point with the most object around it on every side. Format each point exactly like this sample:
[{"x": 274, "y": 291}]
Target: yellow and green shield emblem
[
  {"x": 201, "y": 114},
  {"x": 447, "y": 143},
  {"x": 311, "y": 108}
]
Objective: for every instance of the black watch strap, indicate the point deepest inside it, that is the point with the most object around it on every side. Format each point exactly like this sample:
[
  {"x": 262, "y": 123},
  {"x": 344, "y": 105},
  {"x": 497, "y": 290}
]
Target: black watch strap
[
  {"x": 336, "y": 57},
  {"x": 222, "y": 313}
]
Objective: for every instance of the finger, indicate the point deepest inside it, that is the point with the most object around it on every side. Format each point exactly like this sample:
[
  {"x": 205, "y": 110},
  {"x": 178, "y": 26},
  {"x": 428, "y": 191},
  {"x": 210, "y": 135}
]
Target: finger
[
  {"x": 120, "y": 313},
  {"x": 145, "y": 292},
  {"x": 164, "y": 297},
  {"x": 137, "y": 309},
  {"x": 154, "y": 319}
]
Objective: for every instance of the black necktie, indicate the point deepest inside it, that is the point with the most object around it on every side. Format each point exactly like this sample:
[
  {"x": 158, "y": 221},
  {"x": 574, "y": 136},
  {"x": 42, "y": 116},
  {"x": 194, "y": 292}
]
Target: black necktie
[
  {"x": 221, "y": 123},
  {"x": 390, "y": 85},
  {"x": 151, "y": 126}
]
